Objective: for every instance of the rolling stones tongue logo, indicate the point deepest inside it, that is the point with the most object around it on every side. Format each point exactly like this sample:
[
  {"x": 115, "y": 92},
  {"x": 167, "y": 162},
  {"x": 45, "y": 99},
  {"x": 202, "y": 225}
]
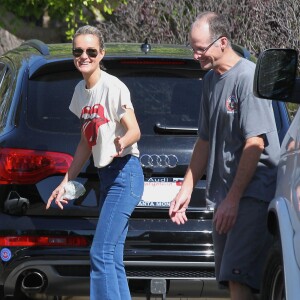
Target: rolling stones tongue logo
[{"x": 92, "y": 118}]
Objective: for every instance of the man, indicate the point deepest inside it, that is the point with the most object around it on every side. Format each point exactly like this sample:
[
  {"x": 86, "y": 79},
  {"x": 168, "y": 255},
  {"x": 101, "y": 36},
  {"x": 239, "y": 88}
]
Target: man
[{"x": 238, "y": 149}]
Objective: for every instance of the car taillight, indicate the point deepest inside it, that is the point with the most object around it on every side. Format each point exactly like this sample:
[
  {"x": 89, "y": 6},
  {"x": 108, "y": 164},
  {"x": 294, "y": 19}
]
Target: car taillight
[
  {"x": 23, "y": 166},
  {"x": 47, "y": 241}
]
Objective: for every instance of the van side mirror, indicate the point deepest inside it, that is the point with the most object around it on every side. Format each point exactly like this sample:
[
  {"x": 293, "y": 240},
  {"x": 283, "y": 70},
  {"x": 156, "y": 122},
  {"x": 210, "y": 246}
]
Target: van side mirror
[{"x": 275, "y": 75}]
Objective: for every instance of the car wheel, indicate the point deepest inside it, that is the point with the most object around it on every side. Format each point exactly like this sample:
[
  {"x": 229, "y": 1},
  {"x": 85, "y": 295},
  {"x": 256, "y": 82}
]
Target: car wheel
[{"x": 273, "y": 279}]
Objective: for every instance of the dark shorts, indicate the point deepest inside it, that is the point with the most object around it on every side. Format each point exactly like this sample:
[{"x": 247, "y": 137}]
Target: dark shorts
[{"x": 240, "y": 254}]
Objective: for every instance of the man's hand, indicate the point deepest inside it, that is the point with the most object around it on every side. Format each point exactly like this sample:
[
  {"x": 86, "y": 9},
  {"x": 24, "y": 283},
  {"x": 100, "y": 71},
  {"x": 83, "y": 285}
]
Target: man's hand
[
  {"x": 227, "y": 211},
  {"x": 225, "y": 215},
  {"x": 178, "y": 207}
]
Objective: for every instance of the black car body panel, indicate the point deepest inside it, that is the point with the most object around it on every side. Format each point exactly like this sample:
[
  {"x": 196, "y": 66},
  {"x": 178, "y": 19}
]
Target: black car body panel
[{"x": 39, "y": 135}]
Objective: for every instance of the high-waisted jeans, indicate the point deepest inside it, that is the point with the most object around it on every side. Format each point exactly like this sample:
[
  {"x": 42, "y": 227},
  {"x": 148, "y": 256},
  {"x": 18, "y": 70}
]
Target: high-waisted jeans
[{"x": 121, "y": 188}]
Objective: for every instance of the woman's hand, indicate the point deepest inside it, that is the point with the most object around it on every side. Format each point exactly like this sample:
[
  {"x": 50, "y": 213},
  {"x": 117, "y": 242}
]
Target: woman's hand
[
  {"x": 119, "y": 146},
  {"x": 57, "y": 194}
]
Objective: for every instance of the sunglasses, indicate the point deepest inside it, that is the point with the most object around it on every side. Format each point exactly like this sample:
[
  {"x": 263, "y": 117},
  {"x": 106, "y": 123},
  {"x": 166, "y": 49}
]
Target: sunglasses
[{"x": 77, "y": 52}]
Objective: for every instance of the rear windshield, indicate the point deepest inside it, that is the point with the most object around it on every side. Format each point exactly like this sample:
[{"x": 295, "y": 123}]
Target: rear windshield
[
  {"x": 49, "y": 100},
  {"x": 163, "y": 98}
]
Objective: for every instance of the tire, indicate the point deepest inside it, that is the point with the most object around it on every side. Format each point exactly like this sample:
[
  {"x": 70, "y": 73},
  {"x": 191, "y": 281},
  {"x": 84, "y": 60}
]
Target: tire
[{"x": 273, "y": 287}]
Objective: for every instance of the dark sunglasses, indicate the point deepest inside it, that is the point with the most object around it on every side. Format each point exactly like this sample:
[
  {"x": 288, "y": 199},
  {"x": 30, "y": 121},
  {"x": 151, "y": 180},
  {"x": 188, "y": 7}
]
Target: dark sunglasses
[{"x": 77, "y": 52}]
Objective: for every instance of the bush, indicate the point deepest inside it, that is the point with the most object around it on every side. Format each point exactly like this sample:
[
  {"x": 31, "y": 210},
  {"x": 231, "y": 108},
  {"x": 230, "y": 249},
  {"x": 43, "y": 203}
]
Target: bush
[{"x": 255, "y": 24}]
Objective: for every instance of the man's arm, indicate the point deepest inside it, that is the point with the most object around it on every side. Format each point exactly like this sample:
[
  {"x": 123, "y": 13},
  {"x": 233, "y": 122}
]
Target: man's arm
[
  {"x": 226, "y": 213},
  {"x": 194, "y": 172}
]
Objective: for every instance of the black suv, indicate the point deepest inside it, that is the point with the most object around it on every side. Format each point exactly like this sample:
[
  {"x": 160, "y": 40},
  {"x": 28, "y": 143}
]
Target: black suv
[{"x": 47, "y": 251}]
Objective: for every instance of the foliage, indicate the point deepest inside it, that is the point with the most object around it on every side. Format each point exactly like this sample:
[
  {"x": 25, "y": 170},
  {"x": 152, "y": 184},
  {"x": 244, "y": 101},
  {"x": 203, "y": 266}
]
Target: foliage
[
  {"x": 255, "y": 24},
  {"x": 70, "y": 12}
]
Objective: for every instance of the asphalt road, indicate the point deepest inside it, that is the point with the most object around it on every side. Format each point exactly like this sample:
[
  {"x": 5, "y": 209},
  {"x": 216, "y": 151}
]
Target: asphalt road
[
  {"x": 154, "y": 298},
  {"x": 143, "y": 297},
  {"x": 188, "y": 293}
]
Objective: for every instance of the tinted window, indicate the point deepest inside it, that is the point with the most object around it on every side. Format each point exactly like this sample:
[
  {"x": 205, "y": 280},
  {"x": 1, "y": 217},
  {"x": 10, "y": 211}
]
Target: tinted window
[
  {"x": 162, "y": 98},
  {"x": 49, "y": 99},
  {"x": 5, "y": 100},
  {"x": 167, "y": 100}
]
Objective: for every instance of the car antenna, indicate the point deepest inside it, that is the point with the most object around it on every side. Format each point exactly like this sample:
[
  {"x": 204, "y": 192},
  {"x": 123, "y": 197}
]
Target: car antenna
[{"x": 145, "y": 47}]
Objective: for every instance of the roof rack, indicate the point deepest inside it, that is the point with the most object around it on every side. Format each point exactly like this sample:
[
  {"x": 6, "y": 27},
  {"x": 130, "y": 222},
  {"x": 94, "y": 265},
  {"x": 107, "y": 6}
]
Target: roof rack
[{"x": 38, "y": 45}]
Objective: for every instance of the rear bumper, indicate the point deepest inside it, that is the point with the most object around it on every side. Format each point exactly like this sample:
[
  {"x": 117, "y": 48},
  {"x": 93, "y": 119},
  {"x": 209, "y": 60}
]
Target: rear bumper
[
  {"x": 155, "y": 249},
  {"x": 71, "y": 277}
]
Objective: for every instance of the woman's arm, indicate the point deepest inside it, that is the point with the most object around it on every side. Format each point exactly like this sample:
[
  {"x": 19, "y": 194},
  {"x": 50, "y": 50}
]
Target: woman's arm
[
  {"x": 132, "y": 134},
  {"x": 82, "y": 154}
]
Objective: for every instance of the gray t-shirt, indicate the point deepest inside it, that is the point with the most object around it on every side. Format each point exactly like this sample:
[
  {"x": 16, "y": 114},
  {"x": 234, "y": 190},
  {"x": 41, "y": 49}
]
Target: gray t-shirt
[{"x": 230, "y": 114}]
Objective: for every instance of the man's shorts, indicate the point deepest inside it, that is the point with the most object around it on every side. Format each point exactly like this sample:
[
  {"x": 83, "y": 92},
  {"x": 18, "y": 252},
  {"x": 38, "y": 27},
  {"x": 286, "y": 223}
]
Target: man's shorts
[{"x": 241, "y": 253}]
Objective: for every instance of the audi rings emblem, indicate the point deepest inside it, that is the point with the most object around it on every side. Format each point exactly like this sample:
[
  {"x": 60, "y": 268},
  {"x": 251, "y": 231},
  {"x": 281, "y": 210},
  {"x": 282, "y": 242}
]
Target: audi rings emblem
[{"x": 162, "y": 160}]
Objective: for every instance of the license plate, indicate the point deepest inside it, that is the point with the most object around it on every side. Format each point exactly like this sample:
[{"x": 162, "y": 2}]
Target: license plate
[{"x": 159, "y": 192}]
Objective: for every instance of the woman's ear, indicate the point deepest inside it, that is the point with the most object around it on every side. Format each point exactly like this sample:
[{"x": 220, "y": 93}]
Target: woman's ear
[{"x": 102, "y": 53}]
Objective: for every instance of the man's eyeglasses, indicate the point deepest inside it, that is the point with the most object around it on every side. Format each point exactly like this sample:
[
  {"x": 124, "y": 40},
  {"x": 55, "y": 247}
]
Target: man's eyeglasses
[
  {"x": 203, "y": 50},
  {"x": 77, "y": 52}
]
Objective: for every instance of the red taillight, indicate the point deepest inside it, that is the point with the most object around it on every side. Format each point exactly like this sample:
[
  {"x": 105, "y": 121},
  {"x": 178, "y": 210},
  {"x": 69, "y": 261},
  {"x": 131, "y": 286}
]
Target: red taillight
[
  {"x": 22, "y": 166},
  {"x": 47, "y": 241}
]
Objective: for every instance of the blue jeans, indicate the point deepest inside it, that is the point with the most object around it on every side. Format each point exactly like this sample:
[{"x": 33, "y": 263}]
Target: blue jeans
[{"x": 121, "y": 188}]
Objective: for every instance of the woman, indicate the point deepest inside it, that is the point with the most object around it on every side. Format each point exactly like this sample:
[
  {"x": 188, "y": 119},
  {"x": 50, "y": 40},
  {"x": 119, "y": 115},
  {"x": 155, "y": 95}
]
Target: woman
[{"x": 110, "y": 132}]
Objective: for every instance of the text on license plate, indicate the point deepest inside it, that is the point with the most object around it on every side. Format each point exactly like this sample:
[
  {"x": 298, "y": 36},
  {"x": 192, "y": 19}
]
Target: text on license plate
[{"x": 159, "y": 192}]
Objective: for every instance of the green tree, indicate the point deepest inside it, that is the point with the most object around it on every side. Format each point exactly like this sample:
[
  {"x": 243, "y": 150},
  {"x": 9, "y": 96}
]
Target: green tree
[{"x": 69, "y": 12}]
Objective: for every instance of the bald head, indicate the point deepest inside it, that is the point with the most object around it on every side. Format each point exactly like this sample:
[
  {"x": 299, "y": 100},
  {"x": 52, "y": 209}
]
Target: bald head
[
  {"x": 209, "y": 41},
  {"x": 213, "y": 24}
]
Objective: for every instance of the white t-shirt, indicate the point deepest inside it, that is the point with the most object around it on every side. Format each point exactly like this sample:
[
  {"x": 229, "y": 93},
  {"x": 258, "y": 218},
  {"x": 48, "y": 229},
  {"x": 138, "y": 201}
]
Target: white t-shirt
[{"x": 101, "y": 109}]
